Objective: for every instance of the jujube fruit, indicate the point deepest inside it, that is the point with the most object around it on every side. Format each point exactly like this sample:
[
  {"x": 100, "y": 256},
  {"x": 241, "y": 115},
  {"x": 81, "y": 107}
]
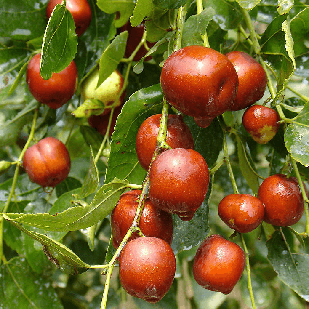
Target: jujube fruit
[
  {"x": 282, "y": 198},
  {"x": 135, "y": 35},
  {"x": 178, "y": 136},
  {"x": 79, "y": 9},
  {"x": 178, "y": 182},
  {"x": 153, "y": 221},
  {"x": 47, "y": 163},
  {"x": 55, "y": 91},
  {"x": 252, "y": 79},
  {"x": 100, "y": 122},
  {"x": 241, "y": 212},
  {"x": 108, "y": 92},
  {"x": 218, "y": 264},
  {"x": 261, "y": 122},
  {"x": 147, "y": 268},
  {"x": 199, "y": 82}
]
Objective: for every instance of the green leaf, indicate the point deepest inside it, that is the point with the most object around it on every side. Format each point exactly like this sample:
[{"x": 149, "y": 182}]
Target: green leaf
[
  {"x": 64, "y": 258},
  {"x": 91, "y": 182},
  {"x": 296, "y": 137},
  {"x": 289, "y": 42},
  {"x": 22, "y": 20},
  {"x": 245, "y": 166},
  {"x": 78, "y": 217},
  {"x": 284, "y": 6},
  {"x": 169, "y": 4},
  {"x": 112, "y": 56},
  {"x": 226, "y": 13},
  {"x": 59, "y": 42},
  {"x": 91, "y": 137},
  {"x": 195, "y": 26},
  {"x": 124, "y": 8},
  {"x": 123, "y": 160},
  {"x": 292, "y": 268},
  {"x": 88, "y": 108},
  {"x": 207, "y": 141},
  {"x": 25, "y": 289},
  {"x": 300, "y": 31},
  {"x": 142, "y": 9},
  {"x": 248, "y": 4}
]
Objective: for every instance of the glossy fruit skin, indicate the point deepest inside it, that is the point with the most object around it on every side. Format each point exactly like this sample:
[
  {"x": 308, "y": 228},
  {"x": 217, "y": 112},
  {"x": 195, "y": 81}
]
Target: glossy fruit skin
[
  {"x": 252, "y": 79},
  {"x": 218, "y": 264},
  {"x": 147, "y": 268},
  {"x": 80, "y": 11},
  {"x": 199, "y": 82},
  {"x": 241, "y": 212},
  {"x": 53, "y": 92},
  {"x": 135, "y": 35},
  {"x": 100, "y": 122},
  {"x": 107, "y": 92},
  {"x": 153, "y": 222},
  {"x": 261, "y": 122},
  {"x": 282, "y": 198},
  {"x": 179, "y": 180},
  {"x": 178, "y": 136},
  {"x": 47, "y": 163}
]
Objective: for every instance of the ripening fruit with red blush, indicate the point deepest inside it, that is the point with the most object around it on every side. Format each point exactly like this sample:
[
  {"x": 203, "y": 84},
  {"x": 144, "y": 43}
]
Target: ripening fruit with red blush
[
  {"x": 147, "y": 268},
  {"x": 135, "y": 35},
  {"x": 79, "y": 9},
  {"x": 261, "y": 122},
  {"x": 199, "y": 82},
  {"x": 55, "y": 91},
  {"x": 218, "y": 264},
  {"x": 153, "y": 221},
  {"x": 241, "y": 212},
  {"x": 47, "y": 163},
  {"x": 282, "y": 198},
  {"x": 178, "y": 136},
  {"x": 178, "y": 182},
  {"x": 252, "y": 79}
]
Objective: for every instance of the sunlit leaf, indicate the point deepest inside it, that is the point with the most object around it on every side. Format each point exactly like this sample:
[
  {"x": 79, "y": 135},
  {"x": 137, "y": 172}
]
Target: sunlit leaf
[
  {"x": 142, "y": 9},
  {"x": 248, "y": 4},
  {"x": 284, "y": 6}
]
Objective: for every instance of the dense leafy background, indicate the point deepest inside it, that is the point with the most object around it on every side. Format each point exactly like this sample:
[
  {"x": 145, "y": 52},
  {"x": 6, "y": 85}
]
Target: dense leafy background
[{"x": 78, "y": 236}]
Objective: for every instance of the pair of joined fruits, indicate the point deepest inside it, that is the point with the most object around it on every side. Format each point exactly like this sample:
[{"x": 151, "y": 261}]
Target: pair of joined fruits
[
  {"x": 80, "y": 11},
  {"x": 203, "y": 83},
  {"x": 153, "y": 222},
  {"x": 47, "y": 163},
  {"x": 55, "y": 91}
]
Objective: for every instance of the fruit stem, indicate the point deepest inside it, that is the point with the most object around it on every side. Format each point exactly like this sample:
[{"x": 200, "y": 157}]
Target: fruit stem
[
  {"x": 179, "y": 26},
  {"x": 106, "y": 286},
  {"x": 199, "y": 4},
  {"x": 303, "y": 192},
  {"x": 248, "y": 271},
  {"x": 18, "y": 164},
  {"x": 229, "y": 166}
]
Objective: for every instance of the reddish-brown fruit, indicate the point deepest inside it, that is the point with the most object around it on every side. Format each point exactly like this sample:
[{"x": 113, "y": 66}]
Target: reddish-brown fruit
[
  {"x": 178, "y": 136},
  {"x": 55, "y": 91},
  {"x": 153, "y": 222},
  {"x": 199, "y": 82},
  {"x": 135, "y": 35},
  {"x": 261, "y": 122},
  {"x": 282, "y": 198},
  {"x": 179, "y": 181},
  {"x": 100, "y": 122},
  {"x": 218, "y": 264},
  {"x": 79, "y": 9},
  {"x": 48, "y": 162},
  {"x": 241, "y": 212},
  {"x": 147, "y": 268},
  {"x": 252, "y": 79}
]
